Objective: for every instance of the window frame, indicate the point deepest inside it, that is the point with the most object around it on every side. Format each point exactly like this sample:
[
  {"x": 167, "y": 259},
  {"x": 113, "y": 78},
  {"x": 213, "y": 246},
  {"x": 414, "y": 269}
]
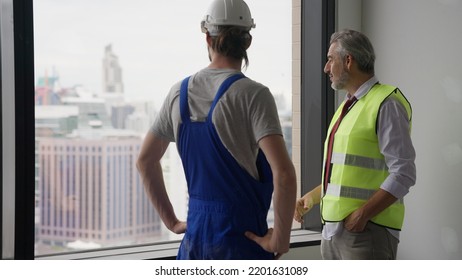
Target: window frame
[
  {"x": 317, "y": 96},
  {"x": 24, "y": 212},
  {"x": 317, "y": 106}
]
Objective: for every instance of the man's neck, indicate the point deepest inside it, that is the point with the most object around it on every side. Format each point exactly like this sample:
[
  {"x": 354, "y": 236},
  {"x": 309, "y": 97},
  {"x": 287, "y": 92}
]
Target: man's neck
[
  {"x": 357, "y": 83},
  {"x": 224, "y": 62}
]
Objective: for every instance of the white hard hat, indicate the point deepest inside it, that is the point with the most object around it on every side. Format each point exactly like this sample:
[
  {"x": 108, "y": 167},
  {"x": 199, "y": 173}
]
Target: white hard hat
[{"x": 227, "y": 12}]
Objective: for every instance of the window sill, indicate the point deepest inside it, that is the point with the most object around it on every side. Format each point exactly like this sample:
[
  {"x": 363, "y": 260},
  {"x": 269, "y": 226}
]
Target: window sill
[{"x": 167, "y": 250}]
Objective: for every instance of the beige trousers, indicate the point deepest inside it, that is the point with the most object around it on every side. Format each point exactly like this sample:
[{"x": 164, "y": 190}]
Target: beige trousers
[{"x": 374, "y": 243}]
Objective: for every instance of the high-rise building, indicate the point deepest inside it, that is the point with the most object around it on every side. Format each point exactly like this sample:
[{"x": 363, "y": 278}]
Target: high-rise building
[
  {"x": 138, "y": 122},
  {"x": 112, "y": 72},
  {"x": 55, "y": 121},
  {"x": 119, "y": 115},
  {"x": 48, "y": 90},
  {"x": 90, "y": 191},
  {"x": 51, "y": 121},
  {"x": 92, "y": 111}
]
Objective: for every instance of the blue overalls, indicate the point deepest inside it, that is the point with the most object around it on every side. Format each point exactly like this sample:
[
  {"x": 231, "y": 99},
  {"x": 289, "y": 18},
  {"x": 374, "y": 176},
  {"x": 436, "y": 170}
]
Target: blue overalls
[{"x": 224, "y": 199}]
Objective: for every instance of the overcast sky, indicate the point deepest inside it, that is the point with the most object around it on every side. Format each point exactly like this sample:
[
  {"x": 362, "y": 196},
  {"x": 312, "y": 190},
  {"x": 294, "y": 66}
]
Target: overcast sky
[{"x": 158, "y": 42}]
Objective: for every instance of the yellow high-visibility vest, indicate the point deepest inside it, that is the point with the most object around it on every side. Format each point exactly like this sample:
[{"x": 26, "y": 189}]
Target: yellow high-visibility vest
[{"x": 358, "y": 168}]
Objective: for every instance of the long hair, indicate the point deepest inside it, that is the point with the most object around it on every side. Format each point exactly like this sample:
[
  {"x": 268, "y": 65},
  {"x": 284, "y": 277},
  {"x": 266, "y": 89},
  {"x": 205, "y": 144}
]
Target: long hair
[{"x": 232, "y": 41}]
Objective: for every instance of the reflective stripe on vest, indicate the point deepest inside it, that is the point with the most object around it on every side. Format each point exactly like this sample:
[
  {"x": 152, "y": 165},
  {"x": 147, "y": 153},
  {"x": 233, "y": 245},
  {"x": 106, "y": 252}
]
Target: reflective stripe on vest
[
  {"x": 352, "y": 192},
  {"x": 360, "y": 161},
  {"x": 358, "y": 167}
]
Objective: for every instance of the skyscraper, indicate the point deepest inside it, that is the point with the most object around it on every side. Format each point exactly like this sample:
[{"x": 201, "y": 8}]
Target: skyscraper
[
  {"x": 90, "y": 191},
  {"x": 119, "y": 114},
  {"x": 112, "y": 72}
]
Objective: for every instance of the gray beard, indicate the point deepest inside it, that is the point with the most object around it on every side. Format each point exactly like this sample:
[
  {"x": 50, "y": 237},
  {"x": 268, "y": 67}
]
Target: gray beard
[{"x": 340, "y": 84}]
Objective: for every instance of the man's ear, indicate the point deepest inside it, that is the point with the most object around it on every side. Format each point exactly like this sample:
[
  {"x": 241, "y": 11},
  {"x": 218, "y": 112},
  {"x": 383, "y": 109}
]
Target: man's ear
[
  {"x": 349, "y": 61},
  {"x": 249, "y": 42},
  {"x": 208, "y": 38}
]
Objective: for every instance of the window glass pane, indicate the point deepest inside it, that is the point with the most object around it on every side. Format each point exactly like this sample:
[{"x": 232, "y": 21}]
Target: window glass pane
[{"x": 102, "y": 71}]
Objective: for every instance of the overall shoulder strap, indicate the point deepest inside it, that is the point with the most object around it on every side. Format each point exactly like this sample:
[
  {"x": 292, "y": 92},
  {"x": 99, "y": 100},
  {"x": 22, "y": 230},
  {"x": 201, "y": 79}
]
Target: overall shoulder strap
[
  {"x": 184, "y": 108},
  {"x": 222, "y": 89}
]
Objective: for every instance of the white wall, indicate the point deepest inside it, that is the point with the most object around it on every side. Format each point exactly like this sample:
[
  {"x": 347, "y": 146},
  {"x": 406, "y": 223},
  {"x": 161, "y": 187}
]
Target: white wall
[
  {"x": 348, "y": 14},
  {"x": 418, "y": 44}
]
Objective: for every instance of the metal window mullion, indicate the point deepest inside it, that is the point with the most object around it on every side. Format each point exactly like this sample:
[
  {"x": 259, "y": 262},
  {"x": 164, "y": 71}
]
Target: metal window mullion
[
  {"x": 24, "y": 186},
  {"x": 317, "y": 97},
  {"x": 8, "y": 128}
]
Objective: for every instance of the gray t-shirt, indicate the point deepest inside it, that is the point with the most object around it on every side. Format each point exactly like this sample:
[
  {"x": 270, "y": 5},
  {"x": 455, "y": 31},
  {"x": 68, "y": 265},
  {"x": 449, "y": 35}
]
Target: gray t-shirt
[{"x": 245, "y": 113}]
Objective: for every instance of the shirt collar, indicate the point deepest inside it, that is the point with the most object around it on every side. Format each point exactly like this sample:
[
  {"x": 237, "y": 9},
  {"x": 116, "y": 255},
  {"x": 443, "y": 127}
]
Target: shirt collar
[{"x": 364, "y": 88}]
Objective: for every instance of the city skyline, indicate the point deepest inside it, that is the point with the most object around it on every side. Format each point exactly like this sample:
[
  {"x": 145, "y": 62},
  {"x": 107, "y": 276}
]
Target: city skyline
[
  {"x": 88, "y": 192},
  {"x": 74, "y": 49},
  {"x": 158, "y": 44}
]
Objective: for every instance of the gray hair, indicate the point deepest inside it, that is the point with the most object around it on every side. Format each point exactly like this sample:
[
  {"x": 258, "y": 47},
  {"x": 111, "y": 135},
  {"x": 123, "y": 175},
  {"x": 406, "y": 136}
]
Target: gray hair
[{"x": 357, "y": 45}]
